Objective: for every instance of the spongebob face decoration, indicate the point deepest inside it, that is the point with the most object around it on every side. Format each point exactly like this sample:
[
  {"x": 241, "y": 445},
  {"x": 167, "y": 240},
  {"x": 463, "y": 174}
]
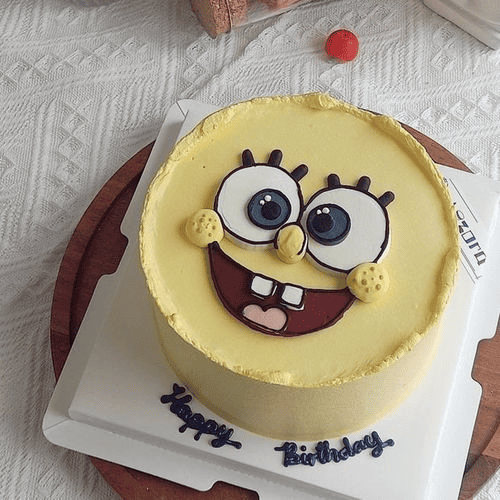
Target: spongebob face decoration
[{"x": 341, "y": 228}]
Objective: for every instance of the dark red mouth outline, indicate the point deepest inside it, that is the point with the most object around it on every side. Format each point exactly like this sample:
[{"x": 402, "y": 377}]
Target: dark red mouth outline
[{"x": 321, "y": 308}]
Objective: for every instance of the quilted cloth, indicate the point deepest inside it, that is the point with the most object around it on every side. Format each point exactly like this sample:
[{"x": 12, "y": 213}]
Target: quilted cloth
[{"x": 86, "y": 84}]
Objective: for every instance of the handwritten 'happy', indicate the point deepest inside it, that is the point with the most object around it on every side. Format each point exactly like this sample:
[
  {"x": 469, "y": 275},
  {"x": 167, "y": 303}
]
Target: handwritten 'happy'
[{"x": 196, "y": 421}]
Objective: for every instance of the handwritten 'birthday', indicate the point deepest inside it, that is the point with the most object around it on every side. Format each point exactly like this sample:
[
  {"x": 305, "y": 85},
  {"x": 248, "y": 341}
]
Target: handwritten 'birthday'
[{"x": 324, "y": 454}]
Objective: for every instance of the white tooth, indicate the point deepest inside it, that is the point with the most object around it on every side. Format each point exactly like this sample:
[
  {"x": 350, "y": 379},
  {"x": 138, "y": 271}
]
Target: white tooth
[
  {"x": 262, "y": 286},
  {"x": 292, "y": 295}
]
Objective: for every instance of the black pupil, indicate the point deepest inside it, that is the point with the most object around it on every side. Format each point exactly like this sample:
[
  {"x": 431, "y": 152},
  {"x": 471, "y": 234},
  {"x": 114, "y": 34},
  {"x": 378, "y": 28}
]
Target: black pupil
[
  {"x": 271, "y": 210},
  {"x": 322, "y": 223}
]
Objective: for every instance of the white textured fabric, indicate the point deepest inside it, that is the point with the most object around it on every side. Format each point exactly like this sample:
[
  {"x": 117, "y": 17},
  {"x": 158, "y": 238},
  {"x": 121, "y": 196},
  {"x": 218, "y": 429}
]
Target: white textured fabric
[{"x": 83, "y": 86}]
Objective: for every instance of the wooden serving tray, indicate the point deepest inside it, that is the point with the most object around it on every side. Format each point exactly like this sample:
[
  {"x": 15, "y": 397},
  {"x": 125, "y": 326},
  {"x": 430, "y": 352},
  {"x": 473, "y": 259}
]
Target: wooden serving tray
[{"x": 97, "y": 247}]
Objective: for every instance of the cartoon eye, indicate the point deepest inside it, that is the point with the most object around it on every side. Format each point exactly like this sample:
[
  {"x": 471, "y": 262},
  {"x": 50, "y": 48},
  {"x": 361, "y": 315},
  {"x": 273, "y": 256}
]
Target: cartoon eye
[
  {"x": 256, "y": 199},
  {"x": 347, "y": 225},
  {"x": 269, "y": 209},
  {"x": 328, "y": 224}
]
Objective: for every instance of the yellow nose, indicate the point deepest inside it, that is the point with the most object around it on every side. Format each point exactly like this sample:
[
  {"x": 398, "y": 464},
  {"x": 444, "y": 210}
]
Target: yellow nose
[{"x": 291, "y": 243}]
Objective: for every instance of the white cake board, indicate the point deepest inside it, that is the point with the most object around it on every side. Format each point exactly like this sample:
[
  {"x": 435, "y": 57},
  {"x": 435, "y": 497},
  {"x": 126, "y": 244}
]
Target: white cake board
[{"x": 107, "y": 401}]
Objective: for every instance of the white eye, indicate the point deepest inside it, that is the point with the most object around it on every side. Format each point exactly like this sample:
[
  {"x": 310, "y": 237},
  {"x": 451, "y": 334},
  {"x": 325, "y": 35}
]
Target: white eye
[
  {"x": 346, "y": 227},
  {"x": 255, "y": 201}
]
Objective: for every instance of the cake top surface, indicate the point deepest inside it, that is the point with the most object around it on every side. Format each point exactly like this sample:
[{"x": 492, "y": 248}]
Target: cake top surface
[{"x": 315, "y": 166}]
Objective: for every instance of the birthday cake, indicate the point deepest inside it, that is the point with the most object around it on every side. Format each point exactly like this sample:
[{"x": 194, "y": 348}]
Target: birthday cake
[{"x": 299, "y": 253}]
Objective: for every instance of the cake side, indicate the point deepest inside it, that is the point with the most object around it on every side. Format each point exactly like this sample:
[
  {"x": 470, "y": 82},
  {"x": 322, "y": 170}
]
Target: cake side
[{"x": 296, "y": 413}]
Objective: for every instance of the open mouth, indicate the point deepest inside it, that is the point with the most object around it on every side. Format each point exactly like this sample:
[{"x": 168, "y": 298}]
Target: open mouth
[{"x": 272, "y": 307}]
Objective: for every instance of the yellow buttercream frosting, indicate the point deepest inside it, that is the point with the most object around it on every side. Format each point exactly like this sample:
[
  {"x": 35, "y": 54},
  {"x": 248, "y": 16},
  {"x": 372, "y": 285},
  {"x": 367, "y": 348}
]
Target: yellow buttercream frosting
[{"x": 335, "y": 379}]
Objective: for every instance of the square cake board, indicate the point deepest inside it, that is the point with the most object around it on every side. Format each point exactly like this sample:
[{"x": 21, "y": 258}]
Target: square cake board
[{"x": 107, "y": 400}]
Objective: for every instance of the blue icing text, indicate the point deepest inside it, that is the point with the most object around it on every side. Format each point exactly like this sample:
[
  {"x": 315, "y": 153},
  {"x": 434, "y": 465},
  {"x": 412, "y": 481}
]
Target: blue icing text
[
  {"x": 324, "y": 454},
  {"x": 196, "y": 421}
]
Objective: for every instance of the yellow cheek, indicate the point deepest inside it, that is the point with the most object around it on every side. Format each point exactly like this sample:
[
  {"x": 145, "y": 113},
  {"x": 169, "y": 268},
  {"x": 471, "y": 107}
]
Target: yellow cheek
[
  {"x": 368, "y": 282},
  {"x": 204, "y": 227}
]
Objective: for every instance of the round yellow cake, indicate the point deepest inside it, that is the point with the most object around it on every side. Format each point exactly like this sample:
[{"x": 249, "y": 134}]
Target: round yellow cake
[{"x": 299, "y": 253}]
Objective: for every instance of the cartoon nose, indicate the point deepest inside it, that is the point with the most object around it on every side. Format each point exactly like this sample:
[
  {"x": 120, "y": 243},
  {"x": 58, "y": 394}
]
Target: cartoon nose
[{"x": 291, "y": 243}]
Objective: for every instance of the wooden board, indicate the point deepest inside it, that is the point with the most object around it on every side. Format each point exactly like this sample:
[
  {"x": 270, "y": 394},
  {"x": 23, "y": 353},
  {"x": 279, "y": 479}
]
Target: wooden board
[{"x": 96, "y": 248}]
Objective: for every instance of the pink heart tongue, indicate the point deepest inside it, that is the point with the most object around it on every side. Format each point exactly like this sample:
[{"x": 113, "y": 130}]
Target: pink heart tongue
[{"x": 273, "y": 318}]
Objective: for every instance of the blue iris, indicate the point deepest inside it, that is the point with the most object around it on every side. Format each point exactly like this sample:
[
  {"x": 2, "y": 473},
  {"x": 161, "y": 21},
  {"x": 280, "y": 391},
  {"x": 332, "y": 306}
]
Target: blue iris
[
  {"x": 269, "y": 209},
  {"x": 328, "y": 224}
]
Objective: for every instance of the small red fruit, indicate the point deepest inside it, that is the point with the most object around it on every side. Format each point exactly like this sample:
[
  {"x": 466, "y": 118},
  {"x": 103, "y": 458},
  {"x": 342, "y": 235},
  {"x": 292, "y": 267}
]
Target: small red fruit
[{"x": 343, "y": 45}]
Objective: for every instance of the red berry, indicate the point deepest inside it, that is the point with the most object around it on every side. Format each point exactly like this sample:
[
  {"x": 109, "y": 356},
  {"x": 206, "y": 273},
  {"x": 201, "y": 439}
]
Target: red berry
[{"x": 343, "y": 45}]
